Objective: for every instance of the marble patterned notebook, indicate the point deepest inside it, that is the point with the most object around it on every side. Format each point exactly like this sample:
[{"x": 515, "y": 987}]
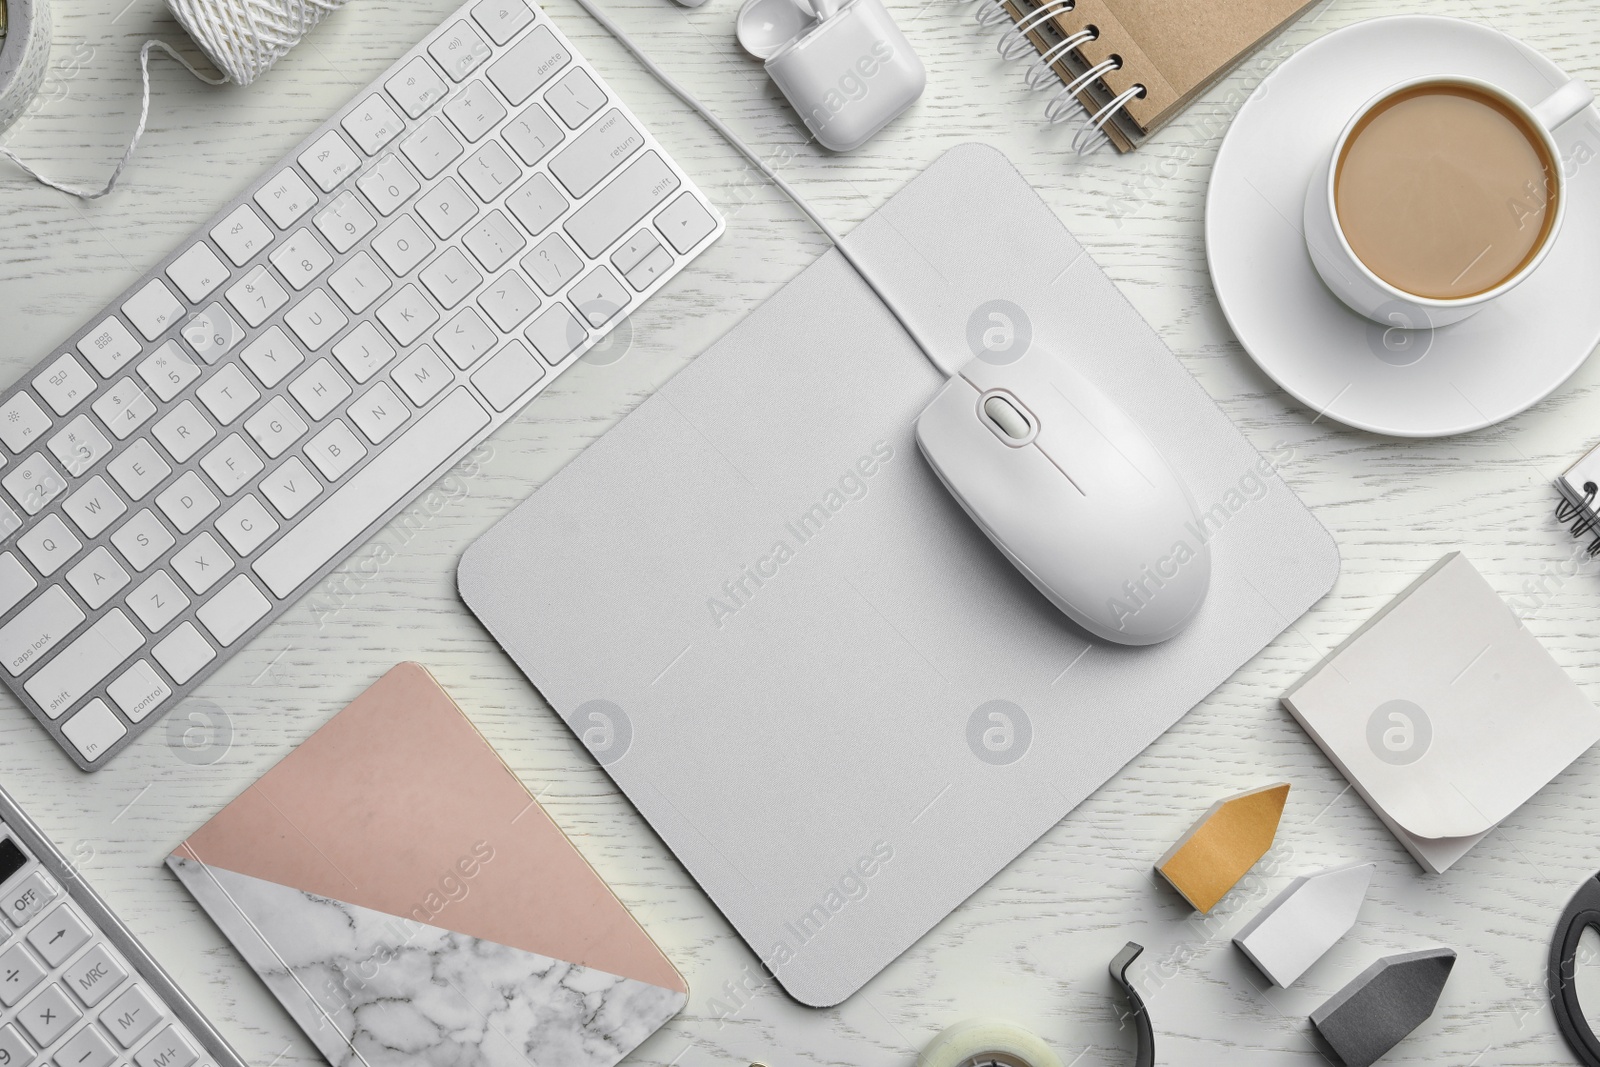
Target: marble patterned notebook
[{"x": 409, "y": 902}]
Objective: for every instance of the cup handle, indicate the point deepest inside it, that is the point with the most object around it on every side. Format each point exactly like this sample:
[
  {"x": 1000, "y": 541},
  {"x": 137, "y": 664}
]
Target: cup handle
[{"x": 1563, "y": 104}]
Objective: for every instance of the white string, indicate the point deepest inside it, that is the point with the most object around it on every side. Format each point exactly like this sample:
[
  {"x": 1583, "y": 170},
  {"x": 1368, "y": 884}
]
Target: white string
[{"x": 138, "y": 132}]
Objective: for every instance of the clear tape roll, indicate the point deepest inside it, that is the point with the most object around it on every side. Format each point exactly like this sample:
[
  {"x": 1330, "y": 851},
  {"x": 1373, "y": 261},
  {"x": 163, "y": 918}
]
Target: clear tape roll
[{"x": 24, "y": 56}]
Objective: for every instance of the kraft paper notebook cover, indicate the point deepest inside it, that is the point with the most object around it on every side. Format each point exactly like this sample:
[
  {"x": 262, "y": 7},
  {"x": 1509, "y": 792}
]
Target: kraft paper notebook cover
[
  {"x": 844, "y": 752},
  {"x": 407, "y": 900}
]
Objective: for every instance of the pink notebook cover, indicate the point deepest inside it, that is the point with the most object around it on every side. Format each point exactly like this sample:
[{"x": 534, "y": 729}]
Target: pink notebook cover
[{"x": 408, "y": 901}]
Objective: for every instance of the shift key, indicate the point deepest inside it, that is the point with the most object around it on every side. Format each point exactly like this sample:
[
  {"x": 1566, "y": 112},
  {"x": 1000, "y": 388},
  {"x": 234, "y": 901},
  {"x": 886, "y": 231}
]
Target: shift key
[
  {"x": 85, "y": 663},
  {"x": 611, "y": 212}
]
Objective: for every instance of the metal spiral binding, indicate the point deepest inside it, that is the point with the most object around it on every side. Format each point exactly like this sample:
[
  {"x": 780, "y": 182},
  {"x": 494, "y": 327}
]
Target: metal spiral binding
[
  {"x": 1092, "y": 134},
  {"x": 1582, "y": 515},
  {"x": 994, "y": 15},
  {"x": 1015, "y": 44},
  {"x": 1058, "y": 109},
  {"x": 1041, "y": 72}
]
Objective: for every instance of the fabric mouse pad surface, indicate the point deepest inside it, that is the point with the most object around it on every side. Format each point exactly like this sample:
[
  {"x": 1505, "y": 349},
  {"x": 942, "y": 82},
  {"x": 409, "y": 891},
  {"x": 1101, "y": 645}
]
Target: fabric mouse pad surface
[{"x": 821, "y": 684}]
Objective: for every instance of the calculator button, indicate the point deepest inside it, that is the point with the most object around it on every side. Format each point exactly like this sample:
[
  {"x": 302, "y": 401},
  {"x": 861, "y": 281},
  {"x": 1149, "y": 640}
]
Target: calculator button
[
  {"x": 94, "y": 977},
  {"x": 86, "y": 1049},
  {"x": 48, "y": 1016},
  {"x": 14, "y": 1051},
  {"x": 19, "y": 972},
  {"x": 29, "y": 897},
  {"x": 58, "y": 935},
  {"x": 169, "y": 1049},
  {"x": 130, "y": 1016}
]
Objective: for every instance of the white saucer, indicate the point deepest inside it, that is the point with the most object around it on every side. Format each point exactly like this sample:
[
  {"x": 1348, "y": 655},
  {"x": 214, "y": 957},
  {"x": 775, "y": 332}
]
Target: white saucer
[{"x": 1457, "y": 378}]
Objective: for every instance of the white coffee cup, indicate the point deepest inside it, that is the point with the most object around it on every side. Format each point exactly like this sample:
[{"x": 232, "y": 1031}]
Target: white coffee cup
[{"x": 1363, "y": 291}]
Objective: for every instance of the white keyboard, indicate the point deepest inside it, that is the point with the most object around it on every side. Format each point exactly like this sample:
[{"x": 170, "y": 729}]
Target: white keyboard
[
  {"x": 218, "y": 439},
  {"x": 76, "y": 989}
]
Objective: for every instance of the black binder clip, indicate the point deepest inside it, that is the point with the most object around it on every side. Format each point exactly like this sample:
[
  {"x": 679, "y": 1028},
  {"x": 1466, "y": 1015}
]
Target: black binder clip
[{"x": 1582, "y": 913}]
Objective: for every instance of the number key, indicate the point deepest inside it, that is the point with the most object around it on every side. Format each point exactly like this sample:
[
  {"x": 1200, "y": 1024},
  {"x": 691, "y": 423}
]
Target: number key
[
  {"x": 344, "y": 222},
  {"x": 168, "y": 370},
  {"x": 257, "y": 295},
  {"x": 123, "y": 408},
  {"x": 301, "y": 258},
  {"x": 14, "y": 1052}
]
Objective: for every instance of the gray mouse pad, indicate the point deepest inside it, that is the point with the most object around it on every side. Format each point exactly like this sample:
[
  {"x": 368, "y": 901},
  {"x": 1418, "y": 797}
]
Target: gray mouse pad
[{"x": 821, "y": 684}]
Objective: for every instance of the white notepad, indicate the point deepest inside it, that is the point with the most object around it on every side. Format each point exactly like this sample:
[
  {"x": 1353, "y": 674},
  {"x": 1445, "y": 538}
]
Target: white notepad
[
  {"x": 1444, "y": 712},
  {"x": 815, "y": 677}
]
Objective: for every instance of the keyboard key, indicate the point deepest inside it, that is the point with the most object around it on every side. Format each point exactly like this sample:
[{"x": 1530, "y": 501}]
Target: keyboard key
[
  {"x": 64, "y": 384},
  {"x": 139, "y": 468},
  {"x": 59, "y": 935},
  {"x": 241, "y": 235},
  {"x": 410, "y": 461},
  {"x": 49, "y": 544},
  {"x": 407, "y": 315},
  {"x": 685, "y": 223},
  {"x": 501, "y": 19},
  {"x": 78, "y": 446},
  {"x": 507, "y": 374},
  {"x": 290, "y": 488},
  {"x": 227, "y": 394},
  {"x": 48, "y": 1016},
  {"x": 285, "y": 198},
  {"x": 19, "y": 973},
  {"x": 300, "y": 259},
  {"x": 186, "y": 501},
  {"x": 422, "y": 376},
  {"x": 446, "y": 208},
  {"x": 575, "y": 98},
  {"x": 198, "y": 272},
  {"x": 459, "y": 51},
  {"x": 596, "y": 152},
  {"x": 329, "y": 161},
  {"x": 388, "y": 184},
  {"x": 134, "y": 1013},
  {"x": 552, "y": 263},
  {"x": 108, "y": 347},
  {"x": 168, "y": 370},
  {"x": 475, "y": 111},
  {"x": 86, "y": 1048},
  {"x": 315, "y": 321},
  {"x": 29, "y": 897},
  {"x": 15, "y": 582},
  {"x": 532, "y": 134},
  {"x": 465, "y": 338},
  {"x": 21, "y": 420},
  {"x": 490, "y": 171},
  {"x": 232, "y": 464},
  {"x": 359, "y": 282},
  {"x": 344, "y": 222},
  {"x": 416, "y": 87},
  {"x": 212, "y": 333},
  {"x": 93, "y": 507},
  {"x": 157, "y": 601},
  {"x": 373, "y": 124},
  {"x": 633, "y": 251},
  {"x": 237, "y": 606},
  {"x": 275, "y": 427},
  {"x": 272, "y": 356},
  {"x": 403, "y": 246},
  {"x": 201, "y": 563},
  {"x": 138, "y": 691},
  {"x": 320, "y": 389},
  {"x": 336, "y": 449},
  {"x": 556, "y": 334},
  {"x": 98, "y": 577},
  {"x": 508, "y": 300},
  {"x": 363, "y": 352},
  {"x": 34, "y": 483},
  {"x": 153, "y": 309},
  {"x": 257, "y": 295},
  {"x": 614, "y": 210},
  {"x": 451, "y": 278},
  {"x": 247, "y": 525},
  {"x": 83, "y": 664},
  {"x": 598, "y": 296},
  {"x": 536, "y": 204},
  {"x": 14, "y": 1051},
  {"x": 93, "y": 978},
  {"x": 432, "y": 148},
  {"x": 528, "y": 65},
  {"x": 124, "y": 408},
  {"x": 142, "y": 540},
  {"x": 379, "y": 412},
  {"x": 493, "y": 240}
]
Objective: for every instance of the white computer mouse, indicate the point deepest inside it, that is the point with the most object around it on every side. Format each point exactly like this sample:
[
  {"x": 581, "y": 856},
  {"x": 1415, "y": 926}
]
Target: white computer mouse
[{"x": 1073, "y": 492}]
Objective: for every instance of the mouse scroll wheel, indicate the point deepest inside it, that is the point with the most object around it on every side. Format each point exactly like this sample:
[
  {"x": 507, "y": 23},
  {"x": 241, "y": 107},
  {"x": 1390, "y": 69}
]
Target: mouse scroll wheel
[{"x": 1005, "y": 415}]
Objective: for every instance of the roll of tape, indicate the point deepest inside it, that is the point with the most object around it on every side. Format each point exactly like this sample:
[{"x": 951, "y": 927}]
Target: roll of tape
[
  {"x": 24, "y": 56},
  {"x": 986, "y": 1042}
]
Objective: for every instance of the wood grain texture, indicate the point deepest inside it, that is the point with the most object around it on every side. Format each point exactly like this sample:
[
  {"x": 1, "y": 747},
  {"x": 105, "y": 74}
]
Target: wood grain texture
[{"x": 1031, "y": 945}]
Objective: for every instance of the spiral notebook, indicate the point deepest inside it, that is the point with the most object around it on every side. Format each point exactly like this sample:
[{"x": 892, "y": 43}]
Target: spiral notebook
[
  {"x": 1579, "y": 485},
  {"x": 1132, "y": 64}
]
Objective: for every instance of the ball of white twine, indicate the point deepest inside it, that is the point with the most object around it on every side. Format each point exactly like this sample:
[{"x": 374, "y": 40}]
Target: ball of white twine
[{"x": 243, "y": 38}]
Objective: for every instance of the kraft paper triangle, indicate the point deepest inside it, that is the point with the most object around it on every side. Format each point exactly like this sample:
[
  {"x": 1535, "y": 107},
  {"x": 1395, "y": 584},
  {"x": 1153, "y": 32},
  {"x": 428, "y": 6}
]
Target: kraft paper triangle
[{"x": 1224, "y": 844}]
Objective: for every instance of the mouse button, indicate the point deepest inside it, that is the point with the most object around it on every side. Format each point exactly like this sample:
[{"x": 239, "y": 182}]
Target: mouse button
[{"x": 1005, "y": 416}]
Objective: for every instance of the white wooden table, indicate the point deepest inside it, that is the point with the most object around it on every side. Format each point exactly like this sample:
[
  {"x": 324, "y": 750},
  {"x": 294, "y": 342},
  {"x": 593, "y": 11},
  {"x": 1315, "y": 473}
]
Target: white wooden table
[{"x": 1033, "y": 944}]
